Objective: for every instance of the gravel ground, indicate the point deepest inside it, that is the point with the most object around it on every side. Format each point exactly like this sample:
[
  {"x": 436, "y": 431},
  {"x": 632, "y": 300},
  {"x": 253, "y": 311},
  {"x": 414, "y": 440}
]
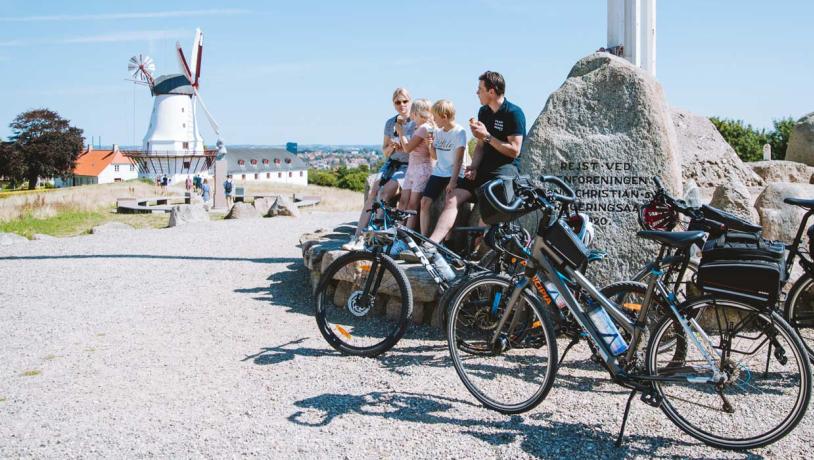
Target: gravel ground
[{"x": 199, "y": 341}]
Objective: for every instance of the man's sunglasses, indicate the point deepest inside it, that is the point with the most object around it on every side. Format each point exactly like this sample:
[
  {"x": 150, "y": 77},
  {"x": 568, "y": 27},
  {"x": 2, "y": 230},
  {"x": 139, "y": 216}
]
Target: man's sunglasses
[{"x": 401, "y": 102}]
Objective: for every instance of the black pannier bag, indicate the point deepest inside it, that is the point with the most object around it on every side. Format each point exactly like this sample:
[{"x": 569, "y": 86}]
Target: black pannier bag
[
  {"x": 565, "y": 243},
  {"x": 743, "y": 268}
]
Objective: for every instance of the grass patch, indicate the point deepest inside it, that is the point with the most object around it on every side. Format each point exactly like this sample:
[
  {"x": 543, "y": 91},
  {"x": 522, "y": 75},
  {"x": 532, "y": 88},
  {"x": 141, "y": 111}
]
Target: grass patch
[
  {"x": 72, "y": 223},
  {"x": 31, "y": 373}
]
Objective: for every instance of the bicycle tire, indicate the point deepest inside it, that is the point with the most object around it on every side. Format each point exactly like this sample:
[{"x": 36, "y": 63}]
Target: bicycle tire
[
  {"x": 360, "y": 339},
  {"x": 793, "y": 310},
  {"x": 533, "y": 338},
  {"x": 739, "y": 426}
]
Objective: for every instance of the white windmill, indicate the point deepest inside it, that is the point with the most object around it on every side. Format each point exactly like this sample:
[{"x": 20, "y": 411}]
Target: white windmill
[{"x": 173, "y": 145}]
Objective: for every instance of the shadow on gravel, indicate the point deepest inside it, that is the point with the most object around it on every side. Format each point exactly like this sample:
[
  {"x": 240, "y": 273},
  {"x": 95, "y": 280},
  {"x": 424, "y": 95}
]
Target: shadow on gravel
[
  {"x": 281, "y": 353},
  {"x": 288, "y": 288},
  {"x": 266, "y": 260},
  {"x": 550, "y": 439},
  {"x": 397, "y": 360}
]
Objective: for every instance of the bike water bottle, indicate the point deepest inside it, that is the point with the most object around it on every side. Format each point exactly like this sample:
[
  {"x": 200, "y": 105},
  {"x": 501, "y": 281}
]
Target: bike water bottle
[
  {"x": 443, "y": 267},
  {"x": 609, "y": 332},
  {"x": 555, "y": 294}
]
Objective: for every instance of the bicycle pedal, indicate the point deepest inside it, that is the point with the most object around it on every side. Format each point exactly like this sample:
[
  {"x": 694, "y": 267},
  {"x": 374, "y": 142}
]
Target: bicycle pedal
[{"x": 651, "y": 398}]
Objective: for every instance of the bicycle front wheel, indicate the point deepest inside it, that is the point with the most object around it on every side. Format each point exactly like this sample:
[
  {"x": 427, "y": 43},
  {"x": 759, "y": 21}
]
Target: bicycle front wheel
[
  {"x": 363, "y": 304},
  {"x": 514, "y": 374},
  {"x": 764, "y": 383}
]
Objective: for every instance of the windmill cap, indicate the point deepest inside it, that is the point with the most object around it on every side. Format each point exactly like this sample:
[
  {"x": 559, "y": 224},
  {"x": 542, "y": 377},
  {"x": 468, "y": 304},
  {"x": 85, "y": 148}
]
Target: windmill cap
[{"x": 172, "y": 84}]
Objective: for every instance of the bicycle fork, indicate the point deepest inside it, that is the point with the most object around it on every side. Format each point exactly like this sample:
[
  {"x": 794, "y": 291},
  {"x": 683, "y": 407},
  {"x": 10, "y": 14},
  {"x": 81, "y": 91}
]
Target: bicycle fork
[{"x": 514, "y": 296}]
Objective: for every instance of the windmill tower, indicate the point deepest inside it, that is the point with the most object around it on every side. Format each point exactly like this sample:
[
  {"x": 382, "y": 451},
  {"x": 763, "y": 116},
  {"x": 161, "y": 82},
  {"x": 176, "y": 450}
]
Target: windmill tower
[{"x": 173, "y": 145}]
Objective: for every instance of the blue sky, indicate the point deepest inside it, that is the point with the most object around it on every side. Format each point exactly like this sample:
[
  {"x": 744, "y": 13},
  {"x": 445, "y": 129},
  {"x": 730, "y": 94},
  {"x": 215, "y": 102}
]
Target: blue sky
[{"x": 323, "y": 71}]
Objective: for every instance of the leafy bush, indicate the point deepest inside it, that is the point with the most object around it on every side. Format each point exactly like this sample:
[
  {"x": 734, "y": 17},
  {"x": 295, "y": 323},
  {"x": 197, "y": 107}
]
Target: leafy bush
[
  {"x": 748, "y": 141},
  {"x": 353, "y": 180},
  {"x": 320, "y": 177}
]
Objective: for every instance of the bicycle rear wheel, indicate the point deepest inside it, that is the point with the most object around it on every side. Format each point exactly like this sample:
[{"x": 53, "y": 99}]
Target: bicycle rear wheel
[
  {"x": 767, "y": 377},
  {"x": 799, "y": 311},
  {"x": 352, "y": 299},
  {"x": 516, "y": 374}
]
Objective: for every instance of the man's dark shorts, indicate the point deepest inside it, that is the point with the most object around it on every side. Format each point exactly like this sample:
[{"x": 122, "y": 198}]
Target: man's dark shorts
[
  {"x": 436, "y": 185},
  {"x": 509, "y": 170}
]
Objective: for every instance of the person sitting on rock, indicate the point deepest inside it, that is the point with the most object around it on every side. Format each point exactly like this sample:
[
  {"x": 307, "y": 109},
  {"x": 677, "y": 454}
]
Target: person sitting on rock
[
  {"x": 447, "y": 145},
  {"x": 397, "y": 132},
  {"x": 499, "y": 129},
  {"x": 420, "y": 165}
]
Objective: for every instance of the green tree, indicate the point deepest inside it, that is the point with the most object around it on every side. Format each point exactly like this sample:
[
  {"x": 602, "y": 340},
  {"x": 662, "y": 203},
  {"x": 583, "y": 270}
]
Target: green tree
[
  {"x": 11, "y": 166},
  {"x": 43, "y": 144},
  {"x": 746, "y": 140},
  {"x": 779, "y": 138}
]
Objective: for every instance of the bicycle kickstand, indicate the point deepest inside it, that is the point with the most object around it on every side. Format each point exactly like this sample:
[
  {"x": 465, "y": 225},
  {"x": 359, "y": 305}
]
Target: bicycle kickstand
[
  {"x": 768, "y": 360},
  {"x": 624, "y": 419},
  {"x": 568, "y": 347}
]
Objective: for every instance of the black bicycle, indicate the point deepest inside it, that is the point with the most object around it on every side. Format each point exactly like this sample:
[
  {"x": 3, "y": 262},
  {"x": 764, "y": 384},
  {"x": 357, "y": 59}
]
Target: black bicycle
[
  {"x": 710, "y": 363},
  {"x": 364, "y": 300},
  {"x": 663, "y": 213}
]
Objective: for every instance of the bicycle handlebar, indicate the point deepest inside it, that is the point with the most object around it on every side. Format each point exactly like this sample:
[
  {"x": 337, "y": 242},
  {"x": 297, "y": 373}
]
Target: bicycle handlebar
[
  {"x": 570, "y": 196},
  {"x": 489, "y": 193}
]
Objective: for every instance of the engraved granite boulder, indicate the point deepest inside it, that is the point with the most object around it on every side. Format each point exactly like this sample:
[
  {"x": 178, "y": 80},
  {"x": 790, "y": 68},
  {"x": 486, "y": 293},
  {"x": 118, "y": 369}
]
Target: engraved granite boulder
[{"x": 607, "y": 131}]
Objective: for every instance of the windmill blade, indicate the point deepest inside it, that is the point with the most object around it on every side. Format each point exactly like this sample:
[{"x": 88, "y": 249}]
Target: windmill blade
[
  {"x": 212, "y": 121},
  {"x": 141, "y": 67},
  {"x": 182, "y": 62},
  {"x": 148, "y": 64},
  {"x": 197, "y": 49}
]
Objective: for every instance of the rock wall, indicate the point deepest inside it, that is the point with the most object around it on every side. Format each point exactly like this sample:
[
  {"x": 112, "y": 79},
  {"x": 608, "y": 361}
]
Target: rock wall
[{"x": 706, "y": 157}]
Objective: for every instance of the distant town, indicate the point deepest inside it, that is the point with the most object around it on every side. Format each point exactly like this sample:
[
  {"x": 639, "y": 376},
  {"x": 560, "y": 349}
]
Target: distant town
[{"x": 328, "y": 157}]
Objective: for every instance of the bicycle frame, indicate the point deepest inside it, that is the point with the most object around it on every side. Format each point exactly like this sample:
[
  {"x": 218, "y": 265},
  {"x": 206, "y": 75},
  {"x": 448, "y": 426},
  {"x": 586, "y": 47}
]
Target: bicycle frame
[
  {"x": 663, "y": 261},
  {"x": 409, "y": 236},
  {"x": 544, "y": 262},
  {"x": 794, "y": 248}
]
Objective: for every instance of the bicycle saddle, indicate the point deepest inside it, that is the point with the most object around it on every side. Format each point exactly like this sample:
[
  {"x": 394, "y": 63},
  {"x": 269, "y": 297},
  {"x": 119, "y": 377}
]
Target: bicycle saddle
[
  {"x": 800, "y": 202},
  {"x": 678, "y": 240}
]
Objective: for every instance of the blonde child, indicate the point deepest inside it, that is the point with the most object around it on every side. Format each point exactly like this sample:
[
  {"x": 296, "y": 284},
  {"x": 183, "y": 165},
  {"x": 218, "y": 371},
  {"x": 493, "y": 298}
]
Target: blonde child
[
  {"x": 420, "y": 165},
  {"x": 447, "y": 145}
]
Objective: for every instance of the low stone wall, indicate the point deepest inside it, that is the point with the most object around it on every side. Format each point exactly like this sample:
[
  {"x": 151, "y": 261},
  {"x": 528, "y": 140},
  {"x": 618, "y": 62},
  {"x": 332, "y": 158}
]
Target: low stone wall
[{"x": 322, "y": 247}]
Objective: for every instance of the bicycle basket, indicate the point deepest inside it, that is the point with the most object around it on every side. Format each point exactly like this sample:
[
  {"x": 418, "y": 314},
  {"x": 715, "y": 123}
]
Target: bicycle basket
[
  {"x": 657, "y": 215},
  {"x": 492, "y": 215}
]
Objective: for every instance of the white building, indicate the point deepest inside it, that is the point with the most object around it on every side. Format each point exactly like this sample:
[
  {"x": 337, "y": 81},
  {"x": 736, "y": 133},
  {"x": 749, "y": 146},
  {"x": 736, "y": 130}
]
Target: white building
[
  {"x": 99, "y": 167},
  {"x": 266, "y": 164}
]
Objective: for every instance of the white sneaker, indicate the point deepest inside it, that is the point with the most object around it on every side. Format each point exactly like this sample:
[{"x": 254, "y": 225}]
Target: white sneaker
[{"x": 356, "y": 243}]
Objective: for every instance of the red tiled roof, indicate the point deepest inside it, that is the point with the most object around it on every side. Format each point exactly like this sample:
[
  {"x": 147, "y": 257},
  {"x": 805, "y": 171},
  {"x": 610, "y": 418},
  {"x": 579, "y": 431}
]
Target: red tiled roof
[{"x": 93, "y": 162}]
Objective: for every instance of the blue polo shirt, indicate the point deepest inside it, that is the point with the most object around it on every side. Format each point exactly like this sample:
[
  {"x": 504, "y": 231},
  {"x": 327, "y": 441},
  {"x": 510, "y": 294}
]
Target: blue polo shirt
[{"x": 509, "y": 120}]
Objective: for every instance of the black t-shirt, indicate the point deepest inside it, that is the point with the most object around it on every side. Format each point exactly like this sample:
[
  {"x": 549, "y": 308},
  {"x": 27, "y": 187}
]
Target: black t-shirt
[{"x": 507, "y": 121}]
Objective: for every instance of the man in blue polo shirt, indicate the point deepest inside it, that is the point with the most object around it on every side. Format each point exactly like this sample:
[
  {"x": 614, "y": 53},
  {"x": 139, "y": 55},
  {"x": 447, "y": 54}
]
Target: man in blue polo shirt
[{"x": 500, "y": 129}]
